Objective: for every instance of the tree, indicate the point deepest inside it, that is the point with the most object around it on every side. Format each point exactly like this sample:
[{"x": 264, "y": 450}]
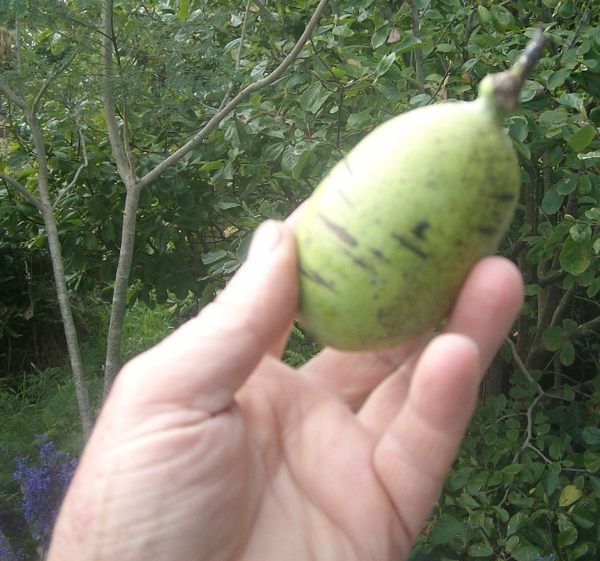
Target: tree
[
  {"x": 126, "y": 166},
  {"x": 173, "y": 67}
]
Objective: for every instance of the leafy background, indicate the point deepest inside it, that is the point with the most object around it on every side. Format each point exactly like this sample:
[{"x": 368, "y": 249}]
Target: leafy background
[{"x": 526, "y": 484}]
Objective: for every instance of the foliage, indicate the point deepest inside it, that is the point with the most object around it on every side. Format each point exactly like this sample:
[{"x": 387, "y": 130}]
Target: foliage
[
  {"x": 299, "y": 348},
  {"x": 526, "y": 484},
  {"x": 367, "y": 61},
  {"x": 42, "y": 484},
  {"x": 176, "y": 66}
]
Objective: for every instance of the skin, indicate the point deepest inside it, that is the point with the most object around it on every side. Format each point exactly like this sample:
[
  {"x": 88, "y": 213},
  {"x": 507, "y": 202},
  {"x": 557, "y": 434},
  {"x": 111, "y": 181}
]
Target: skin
[{"x": 210, "y": 448}]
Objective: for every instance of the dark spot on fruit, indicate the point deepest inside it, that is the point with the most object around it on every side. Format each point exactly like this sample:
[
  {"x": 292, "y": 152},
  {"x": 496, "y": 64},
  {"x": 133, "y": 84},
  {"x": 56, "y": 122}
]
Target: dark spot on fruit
[
  {"x": 487, "y": 230},
  {"x": 359, "y": 261},
  {"x": 378, "y": 255},
  {"x": 347, "y": 164},
  {"x": 504, "y": 197},
  {"x": 318, "y": 279},
  {"x": 339, "y": 231},
  {"x": 345, "y": 197},
  {"x": 410, "y": 245},
  {"x": 430, "y": 184},
  {"x": 420, "y": 229}
]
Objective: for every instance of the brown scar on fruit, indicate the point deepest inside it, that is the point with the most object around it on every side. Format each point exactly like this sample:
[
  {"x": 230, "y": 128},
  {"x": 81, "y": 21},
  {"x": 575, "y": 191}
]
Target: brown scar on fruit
[
  {"x": 410, "y": 245},
  {"x": 339, "y": 231},
  {"x": 317, "y": 278}
]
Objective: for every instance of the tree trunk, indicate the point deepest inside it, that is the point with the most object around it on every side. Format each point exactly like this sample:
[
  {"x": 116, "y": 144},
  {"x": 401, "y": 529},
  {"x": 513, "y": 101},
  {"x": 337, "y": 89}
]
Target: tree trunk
[
  {"x": 119, "y": 301},
  {"x": 83, "y": 401},
  {"x": 133, "y": 185}
]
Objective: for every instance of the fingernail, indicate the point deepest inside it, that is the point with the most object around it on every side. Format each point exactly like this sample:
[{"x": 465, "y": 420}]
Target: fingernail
[{"x": 265, "y": 239}]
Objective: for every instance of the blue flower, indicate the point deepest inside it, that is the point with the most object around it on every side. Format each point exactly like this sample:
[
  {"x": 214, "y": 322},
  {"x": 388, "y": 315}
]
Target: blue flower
[{"x": 43, "y": 485}]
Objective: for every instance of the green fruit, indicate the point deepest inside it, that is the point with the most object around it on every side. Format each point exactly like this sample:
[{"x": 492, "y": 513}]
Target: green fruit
[{"x": 391, "y": 233}]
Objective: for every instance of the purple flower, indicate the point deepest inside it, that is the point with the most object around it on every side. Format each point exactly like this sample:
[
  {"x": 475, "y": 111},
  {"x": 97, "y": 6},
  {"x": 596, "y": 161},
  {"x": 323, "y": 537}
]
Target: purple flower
[{"x": 43, "y": 485}]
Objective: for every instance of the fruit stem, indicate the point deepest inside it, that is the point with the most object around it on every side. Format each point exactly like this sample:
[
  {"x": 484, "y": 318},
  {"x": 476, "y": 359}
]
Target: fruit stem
[{"x": 506, "y": 86}]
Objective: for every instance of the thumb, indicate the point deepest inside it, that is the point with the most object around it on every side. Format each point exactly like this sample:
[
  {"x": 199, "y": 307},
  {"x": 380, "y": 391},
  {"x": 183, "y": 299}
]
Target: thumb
[{"x": 204, "y": 362}]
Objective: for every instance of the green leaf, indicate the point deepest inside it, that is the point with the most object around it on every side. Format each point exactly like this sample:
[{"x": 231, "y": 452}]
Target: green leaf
[
  {"x": 567, "y": 354},
  {"x": 225, "y": 205},
  {"x": 445, "y": 530},
  {"x": 502, "y": 18},
  {"x": 343, "y": 31},
  {"x": 591, "y": 436},
  {"x": 313, "y": 98},
  {"x": 595, "y": 482},
  {"x": 385, "y": 64},
  {"x": 516, "y": 523},
  {"x": 484, "y": 14},
  {"x": 581, "y": 139},
  {"x": 550, "y": 481},
  {"x": 380, "y": 36},
  {"x": 522, "y": 149},
  {"x": 591, "y": 461},
  {"x": 567, "y": 537},
  {"x": 570, "y": 326},
  {"x": 579, "y": 551},
  {"x": 273, "y": 151},
  {"x": 589, "y": 155},
  {"x": 183, "y": 11},
  {"x": 552, "y": 201},
  {"x": 593, "y": 214},
  {"x": 566, "y": 185},
  {"x": 407, "y": 45},
  {"x": 581, "y": 233},
  {"x": 529, "y": 91},
  {"x": 358, "y": 121},
  {"x": 419, "y": 100},
  {"x": 526, "y": 553},
  {"x": 569, "y": 495},
  {"x": 584, "y": 184},
  {"x": 594, "y": 288},
  {"x": 571, "y": 100},
  {"x": 480, "y": 550},
  {"x": 289, "y": 159},
  {"x": 553, "y": 338},
  {"x": 558, "y": 78},
  {"x": 575, "y": 257},
  {"x": 213, "y": 256},
  {"x": 584, "y": 513}
]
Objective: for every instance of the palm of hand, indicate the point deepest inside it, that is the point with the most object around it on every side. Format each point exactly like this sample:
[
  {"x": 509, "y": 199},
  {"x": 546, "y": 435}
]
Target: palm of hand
[{"x": 208, "y": 450}]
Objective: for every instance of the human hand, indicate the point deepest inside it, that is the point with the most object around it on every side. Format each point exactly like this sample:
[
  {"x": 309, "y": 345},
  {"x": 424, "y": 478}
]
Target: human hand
[{"x": 210, "y": 448}]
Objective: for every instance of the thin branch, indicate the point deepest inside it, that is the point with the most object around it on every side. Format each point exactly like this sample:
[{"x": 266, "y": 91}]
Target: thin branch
[
  {"x": 418, "y": 53},
  {"x": 590, "y": 326},
  {"x": 29, "y": 196},
  {"x": 561, "y": 309},
  {"x": 12, "y": 96},
  {"x": 127, "y": 139},
  {"x": 540, "y": 454},
  {"x": 46, "y": 85},
  {"x": 552, "y": 278},
  {"x": 18, "y": 58},
  {"x": 119, "y": 153},
  {"x": 521, "y": 365},
  {"x": 264, "y": 11},
  {"x": 212, "y": 124},
  {"x": 68, "y": 187},
  {"x": 238, "y": 57}
]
